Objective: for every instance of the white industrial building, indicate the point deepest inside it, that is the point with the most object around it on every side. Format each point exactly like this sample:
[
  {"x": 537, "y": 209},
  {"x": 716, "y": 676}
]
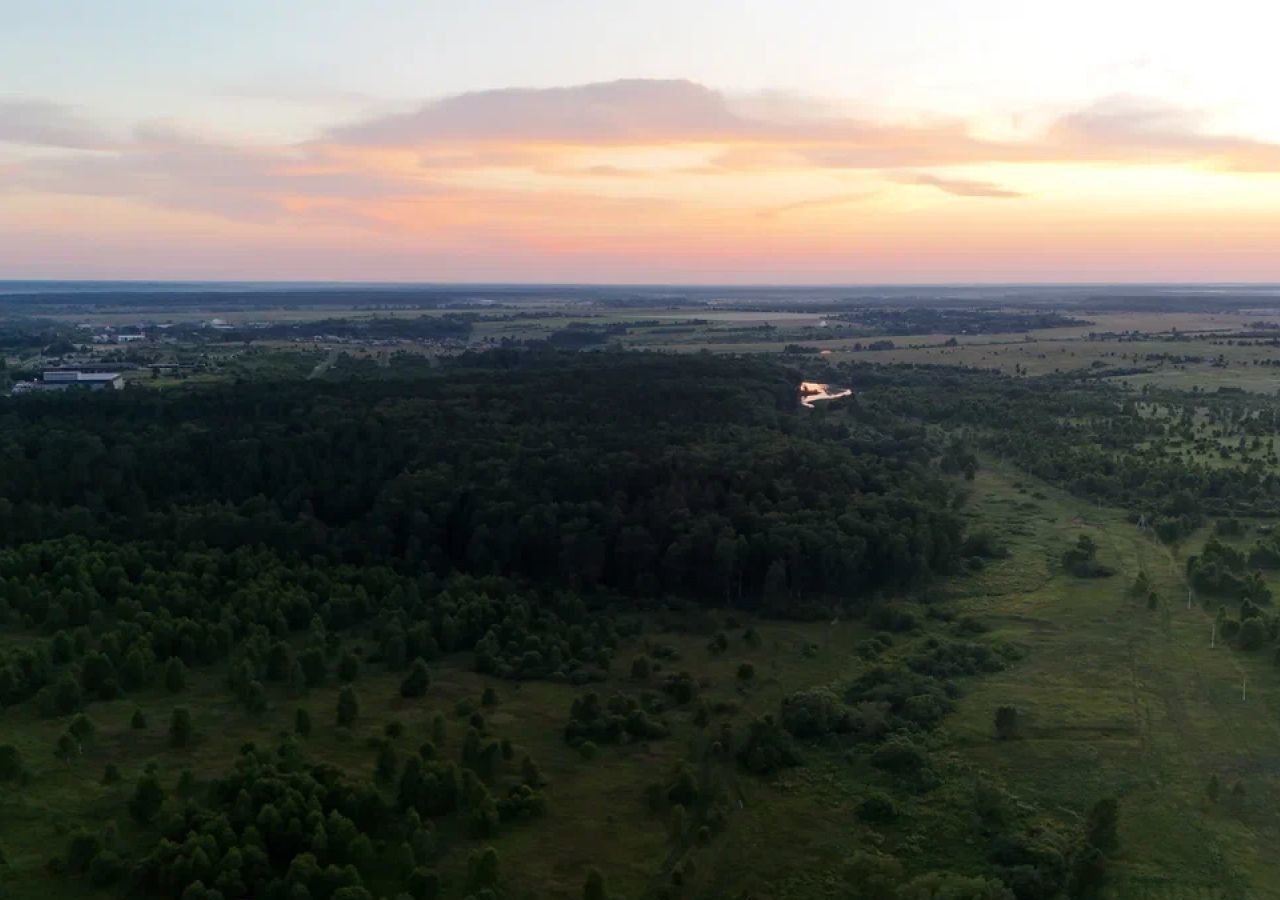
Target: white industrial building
[{"x": 60, "y": 379}]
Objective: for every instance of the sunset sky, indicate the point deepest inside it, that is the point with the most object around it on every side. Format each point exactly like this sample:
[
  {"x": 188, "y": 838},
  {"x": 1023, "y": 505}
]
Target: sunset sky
[{"x": 693, "y": 141}]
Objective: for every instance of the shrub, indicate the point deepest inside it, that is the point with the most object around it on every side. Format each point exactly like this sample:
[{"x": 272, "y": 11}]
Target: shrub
[
  {"x": 878, "y": 808},
  {"x": 1101, "y": 825},
  {"x": 901, "y": 756},
  {"x": 767, "y": 748},
  {"x": 1252, "y": 635},
  {"x": 147, "y": 799},
  {"x": 348, "y": 707},
  {"x": 415, "y": 683},
  {"x": 10, "y": 763},
  {"x": 813, "y": 713},
  {"x": 180, "y": 727},
  {"x": 1008, "y": 720}
]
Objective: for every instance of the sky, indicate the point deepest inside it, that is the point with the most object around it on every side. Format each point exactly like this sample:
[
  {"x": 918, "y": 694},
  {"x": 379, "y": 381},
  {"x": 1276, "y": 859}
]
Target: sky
[{"x": 806, "y": 142}]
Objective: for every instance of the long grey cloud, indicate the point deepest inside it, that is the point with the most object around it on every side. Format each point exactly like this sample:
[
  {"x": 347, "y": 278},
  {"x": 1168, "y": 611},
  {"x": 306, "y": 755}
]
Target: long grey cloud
[{"x": 40, "y": 123}]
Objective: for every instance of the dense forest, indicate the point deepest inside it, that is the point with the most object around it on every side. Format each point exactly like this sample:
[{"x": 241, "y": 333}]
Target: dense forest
[{"x": 641, "y": 475}]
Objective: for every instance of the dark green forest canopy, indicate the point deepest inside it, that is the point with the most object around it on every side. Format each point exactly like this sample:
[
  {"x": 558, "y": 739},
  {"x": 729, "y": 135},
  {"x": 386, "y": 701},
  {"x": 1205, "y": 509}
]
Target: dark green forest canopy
[{"x": 640, "y": 474}]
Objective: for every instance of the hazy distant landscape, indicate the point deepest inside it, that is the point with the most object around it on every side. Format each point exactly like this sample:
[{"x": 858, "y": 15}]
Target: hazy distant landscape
[
  {"x": 554, "y": 590},
  {"x": 560, "y": 450}
]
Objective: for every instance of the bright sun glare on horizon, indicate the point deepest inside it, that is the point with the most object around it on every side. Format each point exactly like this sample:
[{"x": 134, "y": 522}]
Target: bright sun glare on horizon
[{"x": 814, "y": 142}]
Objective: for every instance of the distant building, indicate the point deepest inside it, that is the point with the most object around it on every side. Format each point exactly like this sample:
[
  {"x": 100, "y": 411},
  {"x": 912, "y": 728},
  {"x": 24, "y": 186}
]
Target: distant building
[{"x": 61, "y": 379}]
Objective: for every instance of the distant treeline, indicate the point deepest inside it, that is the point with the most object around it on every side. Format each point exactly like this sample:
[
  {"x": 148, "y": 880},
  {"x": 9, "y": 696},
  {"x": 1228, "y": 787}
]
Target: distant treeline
[
  {"x": 455, "y": 327},
  {"x": 155, "y": 296},
  {"x": 917, "y": 320}
]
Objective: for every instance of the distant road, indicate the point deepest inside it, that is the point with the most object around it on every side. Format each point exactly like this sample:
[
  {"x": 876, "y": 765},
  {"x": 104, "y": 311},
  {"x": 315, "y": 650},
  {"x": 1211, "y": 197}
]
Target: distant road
[{"x": 324, "y": 364}]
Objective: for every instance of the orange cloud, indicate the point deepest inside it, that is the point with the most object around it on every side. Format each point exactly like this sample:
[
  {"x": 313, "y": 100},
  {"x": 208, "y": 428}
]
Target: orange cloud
[
  {"x": 637, "y": 170},
  {"x": 960, "y": 187}
]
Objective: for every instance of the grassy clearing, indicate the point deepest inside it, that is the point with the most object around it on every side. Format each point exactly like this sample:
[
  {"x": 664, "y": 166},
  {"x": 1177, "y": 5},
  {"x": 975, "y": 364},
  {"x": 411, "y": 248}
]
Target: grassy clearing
[{"x": 1126, "y": 700}]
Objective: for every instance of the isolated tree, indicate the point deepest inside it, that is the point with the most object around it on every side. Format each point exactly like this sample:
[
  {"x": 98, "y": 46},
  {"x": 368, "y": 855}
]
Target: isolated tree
[
  {"x": 297, "y": 679},
  {"x": 1088, "y": 873},
  {"x": 482, "y": 869},
  {"x": 423, "y": 884},
  {"x": 1008, "y": 722},
  {"x": 348, "y": 667},
  {"x": 388, "y": 763},
  {"x": 348, "y": 707},
  {"x": 255, "y": 697},
  {"x": 180, "y": 727},
  {"x": 147, "y": 799},
  {"x": 594, "y": 888},
  {"x": 313, "y": 666},
  {"x": 175, "y": 675},
  {"x": 10, "y": 763},
  {"x": 83, "y": 729},
  {"x": 67, "y": 748},
  {"x": 138, "y": 720},
  {"x": 1252, "y": 634},
  {"x": 415, "y": 683},
  {"x": 1101, "y": 825},
  {"x": 302, "y": 722},
  {"x": 1141, "y": 586}
]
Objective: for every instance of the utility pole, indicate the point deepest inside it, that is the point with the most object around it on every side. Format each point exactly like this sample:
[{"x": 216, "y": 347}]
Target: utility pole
[
  {"x": 1244, "y": 688},
  {"x": 1213, "y": 634}
]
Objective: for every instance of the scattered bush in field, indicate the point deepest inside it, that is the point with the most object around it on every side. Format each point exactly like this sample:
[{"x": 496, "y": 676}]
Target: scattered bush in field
[
  {"x": 813, "y": 713},
  {"x": 622, "y": 718},
  {"x": 1081, "y": 560},
  {"x": 147, "y": 799},
  {"x": 900, "y": 756},
  {"x": 983, "y": 543},
  {"x": 1101, "y": 825},
  {"x": 1008, "y": 722},
  {"x": 10, "y": 763},
  {"x": 348, "y": 707},
  {"x": 1252, "y": 635},
  {"x": 180, "y": 729},
  {"x": 767, "y": 748},
  {"x": 415, "y": 684},
  {"x": 594, "y": 888},
  {"x": 944, "y": 658},
  {"x": 681, "y": 687}
]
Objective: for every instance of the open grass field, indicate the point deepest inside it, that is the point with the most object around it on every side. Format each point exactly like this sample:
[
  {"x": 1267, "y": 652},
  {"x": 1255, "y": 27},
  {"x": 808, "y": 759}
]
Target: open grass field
[{"x": 1126, "y": 700}]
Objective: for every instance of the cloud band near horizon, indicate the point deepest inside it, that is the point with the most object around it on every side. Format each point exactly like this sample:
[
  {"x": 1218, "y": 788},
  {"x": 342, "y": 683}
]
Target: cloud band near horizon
[{"x": 646, "y": 166}]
